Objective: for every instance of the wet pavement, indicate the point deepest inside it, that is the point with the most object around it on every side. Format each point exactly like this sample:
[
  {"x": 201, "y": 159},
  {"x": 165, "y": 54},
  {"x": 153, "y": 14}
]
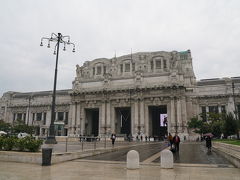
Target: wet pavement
[
  {"x": 193, "y": 162},
  {"x": 190, "y": 153},
  {"x": 197, "y": 153},
  {"x": 79, "y": 146},
  {"x": 144, "y": 150},
  {"x": 75, "y": 170}
]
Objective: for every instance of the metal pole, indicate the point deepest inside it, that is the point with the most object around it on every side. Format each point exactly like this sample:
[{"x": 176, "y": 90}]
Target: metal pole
[
  {"x": 51, "y": 138},
  {"x": 105, "y": 142},
  {"x": 82, "y": 145},
  {"x": 66, "y": 143}
]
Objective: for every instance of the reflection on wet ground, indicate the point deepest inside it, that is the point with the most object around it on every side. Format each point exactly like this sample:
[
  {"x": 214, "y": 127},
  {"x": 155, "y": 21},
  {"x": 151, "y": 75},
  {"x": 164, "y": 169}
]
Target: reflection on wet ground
[
  {"x": 144, "y": 151},
  {"x": 196, "y": 153}
]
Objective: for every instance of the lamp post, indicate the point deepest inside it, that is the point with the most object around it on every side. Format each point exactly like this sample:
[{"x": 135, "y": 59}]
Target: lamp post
[{"x": 58, "y": 39}]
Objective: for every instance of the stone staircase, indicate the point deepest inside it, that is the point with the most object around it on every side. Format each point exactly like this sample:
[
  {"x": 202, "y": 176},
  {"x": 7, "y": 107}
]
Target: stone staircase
[{"x": 229, "y": 151}]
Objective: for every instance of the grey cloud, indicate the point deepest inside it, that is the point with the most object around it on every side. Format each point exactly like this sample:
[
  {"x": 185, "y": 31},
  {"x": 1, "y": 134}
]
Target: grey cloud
[{"x": 211, "y": 29}]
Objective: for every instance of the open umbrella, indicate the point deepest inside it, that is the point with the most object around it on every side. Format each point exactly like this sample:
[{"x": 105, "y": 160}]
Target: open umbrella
[{"x": 208, "y": 134}]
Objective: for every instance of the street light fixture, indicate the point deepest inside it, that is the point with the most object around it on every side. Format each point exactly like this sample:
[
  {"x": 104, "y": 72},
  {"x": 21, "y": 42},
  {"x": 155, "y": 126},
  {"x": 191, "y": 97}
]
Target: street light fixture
[{"x": 56, "y": 38}]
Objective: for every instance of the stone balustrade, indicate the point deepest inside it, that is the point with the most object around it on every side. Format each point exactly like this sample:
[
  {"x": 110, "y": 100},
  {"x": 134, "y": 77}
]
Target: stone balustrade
[{"x": 229, "y": 151}]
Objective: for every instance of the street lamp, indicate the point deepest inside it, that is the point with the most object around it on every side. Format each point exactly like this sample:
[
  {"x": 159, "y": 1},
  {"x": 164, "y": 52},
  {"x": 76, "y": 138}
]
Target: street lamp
[{"x": 56, "y": 38}]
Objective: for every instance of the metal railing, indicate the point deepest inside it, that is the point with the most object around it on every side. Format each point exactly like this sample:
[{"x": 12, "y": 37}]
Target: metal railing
[{"x": 84, "y": 143}]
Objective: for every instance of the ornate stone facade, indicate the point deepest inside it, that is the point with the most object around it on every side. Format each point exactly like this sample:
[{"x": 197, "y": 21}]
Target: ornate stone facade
[{"x": 127, "y": 95}]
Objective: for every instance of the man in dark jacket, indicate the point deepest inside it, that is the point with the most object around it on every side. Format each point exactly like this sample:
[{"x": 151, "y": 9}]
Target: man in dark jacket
[
  {"x": 209, "y": 143},
  {"x": 176, "y": 141},
  {"x": 113, "y": 137}
]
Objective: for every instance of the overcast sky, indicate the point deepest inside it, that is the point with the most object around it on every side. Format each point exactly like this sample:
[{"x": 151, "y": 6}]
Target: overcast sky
[{"x": 209, "y": 28}]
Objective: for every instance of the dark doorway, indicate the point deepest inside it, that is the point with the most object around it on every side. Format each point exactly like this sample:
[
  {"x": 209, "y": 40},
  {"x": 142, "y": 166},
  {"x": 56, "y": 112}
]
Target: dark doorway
[
  {"x": 92, "y": 122},
  {"x": 123, "y": 125},
  {"x": 158, "y": 121}
]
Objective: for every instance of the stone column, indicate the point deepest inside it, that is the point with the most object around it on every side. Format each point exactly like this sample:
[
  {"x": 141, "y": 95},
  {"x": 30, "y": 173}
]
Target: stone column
[
  {"x": 230, "y": 105},
  {"x": 136, "y": 115},
  {"x": 132, "y": 119},
  {"x": 219, "y": 109},
  {"x": 40, "y": 131},
  {"x": 113, "y": 119},
  {"x": 78, "y": 118},
  {"x": 103, "y": 118},
  {"x": 207, "y": 109},
  {"x": 82, "y": 120},
  {"x": 27, "y": 112},
  {"x": 34, "y": 117},
  {"x": 56, "y": 116},
  {"x": 179, "y": 115},
  {"x": 142, "y": 116},
  {"x": 146, "y": 120},
  {"x": 172, "y": 120},
  {"x": 108, "y": 117},
  {"x": 73, "y": 120},
  {"x": 184, "y": 114},
  {"x": 169, "y": 117},
  {"x": 48, "y": 118}
]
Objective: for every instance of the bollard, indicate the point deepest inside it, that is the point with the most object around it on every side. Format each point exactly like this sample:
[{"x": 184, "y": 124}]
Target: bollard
[
  {"x": 132, "y": 160},
  {"x": 82, "y": 145},
  {"x": 66, "y": 143},
  {"x": 46, "y": 156},
  {"x": 166, "y": 159},
  {"x": 105, "y": 142}
]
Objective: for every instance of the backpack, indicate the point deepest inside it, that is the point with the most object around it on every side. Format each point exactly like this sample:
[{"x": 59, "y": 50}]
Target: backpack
[{"x": 177, "y": 139}]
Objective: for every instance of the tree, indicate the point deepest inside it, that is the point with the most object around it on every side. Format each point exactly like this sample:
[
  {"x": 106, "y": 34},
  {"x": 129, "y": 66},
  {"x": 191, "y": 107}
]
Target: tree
[
  {"x": 216, "y": 124},
  {"x": 5, "y": 126},
  {"x": 19, "y": 126},
  {"x": 196, "y": 124},
  {"x": 230, "y": 125}
]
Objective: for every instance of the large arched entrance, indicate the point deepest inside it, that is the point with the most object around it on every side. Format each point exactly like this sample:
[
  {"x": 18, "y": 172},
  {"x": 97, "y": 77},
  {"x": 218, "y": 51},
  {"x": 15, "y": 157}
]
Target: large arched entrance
[
  {"x": 123, "y": 121},
  {"x": 158, "y": 121},
  {"x": 92, "y": 122}
]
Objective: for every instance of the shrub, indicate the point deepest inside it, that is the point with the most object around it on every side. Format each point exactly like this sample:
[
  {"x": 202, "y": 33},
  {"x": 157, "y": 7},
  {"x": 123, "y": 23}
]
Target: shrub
[
  {"x": 24, "y": 144},
  {"x": 9, "y": 143},
  {"x": 1, "y": 142},
  {"x": 21, "y": 144},
  {"x": 31, "y": 144}
]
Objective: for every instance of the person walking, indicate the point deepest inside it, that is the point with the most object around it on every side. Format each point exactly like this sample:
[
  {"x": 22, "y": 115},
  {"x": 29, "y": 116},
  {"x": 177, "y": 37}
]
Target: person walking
[
  {"x": 209, "y": 143},
  {"x": 176, "y": 142},
  {"x": 146, "y": 138},
  {"x": 170, "y": 140},
  {"x": 113, "y": 138}
]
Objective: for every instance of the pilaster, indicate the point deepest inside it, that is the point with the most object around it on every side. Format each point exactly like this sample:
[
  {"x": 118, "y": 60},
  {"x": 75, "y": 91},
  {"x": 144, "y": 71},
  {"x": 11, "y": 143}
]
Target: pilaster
[
  {"x": 172, "y": 120},
  {"x": 142, "y": 116},
  {"x": 78, "y": 125},
  {"x": 136, "y": 116},
  {"x": 179, "y": 115}
]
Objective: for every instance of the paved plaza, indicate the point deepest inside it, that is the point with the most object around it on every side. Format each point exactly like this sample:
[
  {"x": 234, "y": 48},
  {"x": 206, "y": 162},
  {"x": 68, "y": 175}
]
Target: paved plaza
[
  {"x": 75, "y": 170},
  {"x": 193, "y": 162}
]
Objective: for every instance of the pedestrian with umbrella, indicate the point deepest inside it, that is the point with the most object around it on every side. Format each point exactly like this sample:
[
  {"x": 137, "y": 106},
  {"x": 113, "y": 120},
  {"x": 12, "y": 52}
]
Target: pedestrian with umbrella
[{"x": 208, "y": 141}]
